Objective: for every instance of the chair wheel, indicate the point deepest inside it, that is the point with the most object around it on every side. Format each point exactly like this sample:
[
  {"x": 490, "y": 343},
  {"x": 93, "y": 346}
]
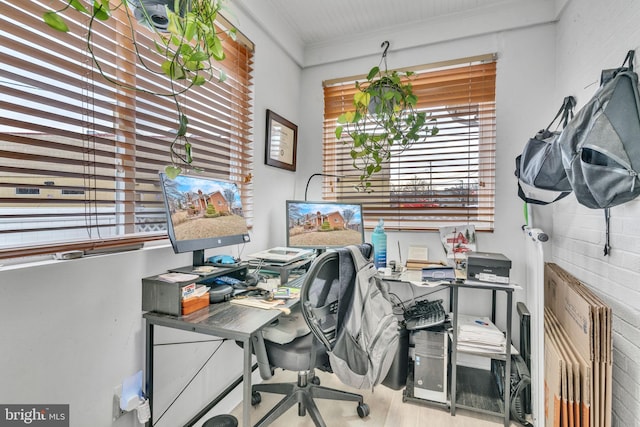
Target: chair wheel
[
  {"x": 315, "y": 380},
  {"x": 256, "y": 398},
  {"x": 363, "y": 410}
]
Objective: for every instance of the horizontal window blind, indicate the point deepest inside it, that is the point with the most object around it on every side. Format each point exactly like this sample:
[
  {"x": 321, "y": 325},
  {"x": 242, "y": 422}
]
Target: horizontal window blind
[
  {"x": 80, "y": 156},
  {"x": 449, "y": 178}
]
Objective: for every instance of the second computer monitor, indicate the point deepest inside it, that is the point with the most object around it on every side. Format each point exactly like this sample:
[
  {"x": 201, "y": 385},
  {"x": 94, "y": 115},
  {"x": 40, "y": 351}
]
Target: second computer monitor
[{"x": 324, "y": 225}]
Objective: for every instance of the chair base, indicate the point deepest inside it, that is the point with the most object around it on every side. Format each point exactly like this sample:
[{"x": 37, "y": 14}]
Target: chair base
[
  {"x": 303, "y": 393},
  {"x": 221, "y": 421}
]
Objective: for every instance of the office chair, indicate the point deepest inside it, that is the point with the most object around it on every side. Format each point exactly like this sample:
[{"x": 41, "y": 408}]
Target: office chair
[{"x": 304, "y": 351}]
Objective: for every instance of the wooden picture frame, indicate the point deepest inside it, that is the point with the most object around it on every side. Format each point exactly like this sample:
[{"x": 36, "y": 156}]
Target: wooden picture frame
[{"x": 282, "y": 142}]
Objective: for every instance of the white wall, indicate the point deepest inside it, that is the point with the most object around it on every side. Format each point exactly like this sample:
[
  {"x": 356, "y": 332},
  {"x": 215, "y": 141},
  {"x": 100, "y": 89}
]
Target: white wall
[
  {"x": 593, "y": 35},
  {"x": 524, "y": 85},
  {"x": 71, "y": 331}
]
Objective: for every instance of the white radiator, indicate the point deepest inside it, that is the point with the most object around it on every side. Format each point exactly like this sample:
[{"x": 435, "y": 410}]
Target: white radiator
[{"x": 535, "y": 240}]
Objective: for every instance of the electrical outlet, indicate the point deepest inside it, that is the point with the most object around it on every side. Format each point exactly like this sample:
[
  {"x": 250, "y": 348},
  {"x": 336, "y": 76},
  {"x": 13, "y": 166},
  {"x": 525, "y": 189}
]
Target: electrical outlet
[{"x": 117, "y": 412}]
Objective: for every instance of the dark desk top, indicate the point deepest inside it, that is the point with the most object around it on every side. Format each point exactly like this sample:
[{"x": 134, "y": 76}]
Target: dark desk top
[{"x": 223, "y": 319}]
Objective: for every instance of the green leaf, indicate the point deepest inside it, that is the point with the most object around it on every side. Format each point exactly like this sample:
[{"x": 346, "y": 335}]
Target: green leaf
[
  {"x": 168, "y": 68},
  {"x": 187, "y": 152},
  {"x": 193, "y": 65},
  {"x": 233, "y": 34},
  {"x": 198, "y": 80},
  {"x": 173, "y": 70},
  {"x": 338, "y": 132},
  {"x": 101, "y": 10},
  {"x": 174, "y": 27},
  {"x": 185, "y": 49},
  {"x": 54, "y": 20},
  {"x": 204, "y": 29},
  {"x": 216, "y": 49},
  {"x": 172, "y": 171},
  {"x": 373, "y": 72},
  {"x": 176, "y": 41},
  {"x": 78, "y": 6},
  {"x": 223, "y": 76},
  {"x": 184, "y": 122},
  {"x": 198, "y": 56},
  {"x": 390, "y": 94},
  {"x": 361, "y": 98},
  {"x": 190, "y": 28}
]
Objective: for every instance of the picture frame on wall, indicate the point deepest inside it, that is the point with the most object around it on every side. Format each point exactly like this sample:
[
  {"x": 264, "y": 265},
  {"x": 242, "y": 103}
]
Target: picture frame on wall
[{"x": 282, "y": 142}]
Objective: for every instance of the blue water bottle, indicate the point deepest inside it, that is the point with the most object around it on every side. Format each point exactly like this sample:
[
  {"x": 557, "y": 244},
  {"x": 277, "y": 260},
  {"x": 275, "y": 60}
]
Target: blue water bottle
[{"x": 379, "y": 241}]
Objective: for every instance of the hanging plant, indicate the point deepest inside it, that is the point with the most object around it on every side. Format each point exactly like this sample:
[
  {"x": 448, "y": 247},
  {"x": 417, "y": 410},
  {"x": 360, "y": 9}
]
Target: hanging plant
[
  {"x": 187, "y": 39},
  {"x": 384, "y": 120}
]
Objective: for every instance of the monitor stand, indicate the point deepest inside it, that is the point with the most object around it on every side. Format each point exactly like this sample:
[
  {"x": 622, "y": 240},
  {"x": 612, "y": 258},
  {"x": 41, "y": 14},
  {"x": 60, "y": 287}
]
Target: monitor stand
[{"x": 198, "y": 260}]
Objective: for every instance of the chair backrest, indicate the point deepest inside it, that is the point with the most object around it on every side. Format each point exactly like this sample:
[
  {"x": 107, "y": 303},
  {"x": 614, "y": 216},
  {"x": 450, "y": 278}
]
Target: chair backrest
[
  {"x": 320, "y": 292},
  {"x": 347, "y": 308}
]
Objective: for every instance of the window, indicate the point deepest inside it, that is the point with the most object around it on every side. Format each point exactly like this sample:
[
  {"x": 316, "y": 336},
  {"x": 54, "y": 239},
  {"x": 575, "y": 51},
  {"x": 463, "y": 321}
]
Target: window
[
  {"x": 88, "y": 152},
  {"x": 448, "y": 179}
]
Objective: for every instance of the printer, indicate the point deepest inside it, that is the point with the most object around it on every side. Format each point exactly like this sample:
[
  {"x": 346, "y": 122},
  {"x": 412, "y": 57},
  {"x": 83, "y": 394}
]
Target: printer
[{"x": 488, "y": 267}]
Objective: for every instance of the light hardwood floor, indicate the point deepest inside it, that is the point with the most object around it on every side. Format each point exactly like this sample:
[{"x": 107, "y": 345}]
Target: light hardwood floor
[{"x": 387, "y": 410}]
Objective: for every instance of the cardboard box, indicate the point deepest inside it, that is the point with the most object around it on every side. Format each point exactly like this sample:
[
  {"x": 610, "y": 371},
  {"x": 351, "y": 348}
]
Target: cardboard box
[
  {"x": 488, "y": 267},
  {"x": 586, "y": 321}
]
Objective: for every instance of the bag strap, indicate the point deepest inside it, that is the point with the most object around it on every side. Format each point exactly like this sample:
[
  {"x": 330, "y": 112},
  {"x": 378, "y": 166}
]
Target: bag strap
[
  {"x": 610, "y": 74},
  {"x": 629, "y": 58},
  {"x": 566, "y": 111},
  {"x": 526, "y": 199},
  {"x": 607, "y": 218}
]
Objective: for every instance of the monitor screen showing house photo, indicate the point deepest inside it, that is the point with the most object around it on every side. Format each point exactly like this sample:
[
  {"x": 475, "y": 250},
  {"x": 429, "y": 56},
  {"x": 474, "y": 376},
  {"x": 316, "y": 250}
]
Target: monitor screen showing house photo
[
  {"x": 323, "y": 224},
  {"x": 203, "y": 212}
]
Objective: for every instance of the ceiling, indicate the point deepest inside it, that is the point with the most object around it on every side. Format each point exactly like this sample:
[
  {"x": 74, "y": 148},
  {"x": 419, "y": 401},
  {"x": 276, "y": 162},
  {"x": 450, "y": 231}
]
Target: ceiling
[
  {"x": 309, "y": 29},
  {"x": 316, "y": 22}
]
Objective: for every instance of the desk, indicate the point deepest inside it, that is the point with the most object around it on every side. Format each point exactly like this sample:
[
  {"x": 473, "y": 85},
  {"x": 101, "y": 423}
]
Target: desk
[
  {"x": 224, "y": 320},
  {"x": 463, "y": 401},
  {"x": 478, "y": 394}
]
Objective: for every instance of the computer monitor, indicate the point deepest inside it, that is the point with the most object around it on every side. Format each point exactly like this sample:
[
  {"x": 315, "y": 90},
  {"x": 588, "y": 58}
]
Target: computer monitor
[
  {"x": 323, "y": 225},
  {"x": 202, "y": 213}
]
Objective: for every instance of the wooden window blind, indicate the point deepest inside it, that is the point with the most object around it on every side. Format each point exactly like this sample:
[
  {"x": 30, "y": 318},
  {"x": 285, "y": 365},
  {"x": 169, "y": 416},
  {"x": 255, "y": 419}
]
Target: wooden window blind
[
  {"x": 447, "y": 180},
  {"x": 79, "y": 156}
]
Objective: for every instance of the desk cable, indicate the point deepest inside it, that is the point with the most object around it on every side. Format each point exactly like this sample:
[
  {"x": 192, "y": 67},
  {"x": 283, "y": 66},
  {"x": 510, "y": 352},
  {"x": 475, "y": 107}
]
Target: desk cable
[
  {"x": 413, "y": 300},
  {"x": 220, "y": 341}
]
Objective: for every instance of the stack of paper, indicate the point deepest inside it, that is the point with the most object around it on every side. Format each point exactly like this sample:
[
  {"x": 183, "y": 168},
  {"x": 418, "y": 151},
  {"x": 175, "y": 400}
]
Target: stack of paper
[
  {"x": 479, "y": 334},
  {"x": 417, "y": 257}
]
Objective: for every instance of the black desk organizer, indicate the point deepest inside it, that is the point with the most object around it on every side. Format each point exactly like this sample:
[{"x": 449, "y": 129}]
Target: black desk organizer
[{"x": 165, "y": 297}]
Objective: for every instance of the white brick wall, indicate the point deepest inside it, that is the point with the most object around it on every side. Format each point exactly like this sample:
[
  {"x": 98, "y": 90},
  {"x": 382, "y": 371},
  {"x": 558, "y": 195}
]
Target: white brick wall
[{"x": 592, "y": 35}]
